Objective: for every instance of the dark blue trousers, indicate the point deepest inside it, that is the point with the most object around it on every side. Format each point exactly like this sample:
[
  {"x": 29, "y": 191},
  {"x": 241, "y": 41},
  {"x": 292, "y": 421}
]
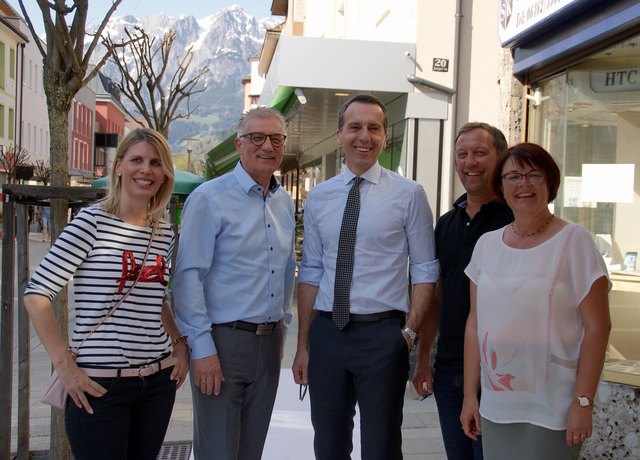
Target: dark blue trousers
[
  {"x": 448, "y": 390},
  {"x": 129, "y": 422},
  {"x": 365, "y": 363}
]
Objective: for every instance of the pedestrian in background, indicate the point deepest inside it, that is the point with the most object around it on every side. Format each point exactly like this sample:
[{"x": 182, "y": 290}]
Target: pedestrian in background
[{"x": 45, "y": 221}]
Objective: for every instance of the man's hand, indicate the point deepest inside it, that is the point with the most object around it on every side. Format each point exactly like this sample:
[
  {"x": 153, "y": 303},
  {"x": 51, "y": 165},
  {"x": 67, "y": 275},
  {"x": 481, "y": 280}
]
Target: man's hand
[
  {"x": 300, "y": 367},
  {"x": 207, "y": 374},
  {"x": 423, "y": 380}
]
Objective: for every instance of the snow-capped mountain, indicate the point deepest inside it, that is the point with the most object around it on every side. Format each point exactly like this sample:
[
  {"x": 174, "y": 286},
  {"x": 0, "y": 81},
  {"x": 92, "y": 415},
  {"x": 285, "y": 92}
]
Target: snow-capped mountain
[{"x": 223, "y": 42}]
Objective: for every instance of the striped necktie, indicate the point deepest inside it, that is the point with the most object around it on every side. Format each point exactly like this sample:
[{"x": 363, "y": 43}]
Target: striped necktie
[{"x": 344, "y": 260}]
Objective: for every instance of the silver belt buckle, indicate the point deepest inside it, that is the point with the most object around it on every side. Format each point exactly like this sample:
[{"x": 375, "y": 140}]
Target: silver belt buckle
[
  {"x": 265, "y": 329},
  {"x": 146, "y": 370}
]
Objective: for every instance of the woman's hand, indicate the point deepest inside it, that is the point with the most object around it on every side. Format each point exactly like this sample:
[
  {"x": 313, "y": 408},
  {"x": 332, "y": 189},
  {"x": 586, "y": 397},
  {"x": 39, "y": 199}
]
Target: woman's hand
[
  {"x": 78, "y": 384},
  {"x": 470, "y": 417},
  {"x": 579, "y": 423},
  {"x": 180, "y": 369}
]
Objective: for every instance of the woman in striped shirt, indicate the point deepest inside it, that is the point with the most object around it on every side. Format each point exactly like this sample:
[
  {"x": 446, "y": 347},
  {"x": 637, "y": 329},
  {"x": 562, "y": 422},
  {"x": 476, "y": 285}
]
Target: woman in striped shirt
[{"x": 123, "y": 382}]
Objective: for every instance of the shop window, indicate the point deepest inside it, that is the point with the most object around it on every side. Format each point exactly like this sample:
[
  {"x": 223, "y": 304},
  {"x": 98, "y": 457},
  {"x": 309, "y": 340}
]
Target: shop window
[
  {"x": 2, "y": 66},
  {"x": 392, "y": 156},
  {"x": 589, "y": 118},
  {"x": 12, "y": 63},
  {"x": 310, "y": 176}
]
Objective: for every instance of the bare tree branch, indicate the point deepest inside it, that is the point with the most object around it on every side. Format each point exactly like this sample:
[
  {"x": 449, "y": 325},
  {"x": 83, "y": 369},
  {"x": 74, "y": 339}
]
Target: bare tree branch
[
  {"x": 31, "y": 28},
  {"x": 13, "y": 158},
  {"x": 42, "y": 171},
  {"x": 143, "y": 62}
]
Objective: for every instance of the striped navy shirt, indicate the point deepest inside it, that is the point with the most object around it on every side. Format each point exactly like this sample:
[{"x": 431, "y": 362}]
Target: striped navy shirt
[{"x": 102, "y": 254}]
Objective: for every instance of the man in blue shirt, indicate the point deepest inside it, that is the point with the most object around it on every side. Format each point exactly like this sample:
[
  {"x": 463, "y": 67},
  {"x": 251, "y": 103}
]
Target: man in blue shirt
[
  {"x": 478, "y": 146},
  {"x": 233, "y": 289},
  {"x": 367, "y": 361}
]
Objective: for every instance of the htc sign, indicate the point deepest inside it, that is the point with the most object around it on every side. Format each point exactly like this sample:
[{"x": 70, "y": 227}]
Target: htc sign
[{"x": 615, "y": 80}]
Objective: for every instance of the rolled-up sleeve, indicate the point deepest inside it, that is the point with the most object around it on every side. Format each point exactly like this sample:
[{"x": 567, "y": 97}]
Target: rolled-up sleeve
[
  {"x": 311, "y": 267},
  {"x": 423, "y": 265},
  {"x": 289, "y": 284}
]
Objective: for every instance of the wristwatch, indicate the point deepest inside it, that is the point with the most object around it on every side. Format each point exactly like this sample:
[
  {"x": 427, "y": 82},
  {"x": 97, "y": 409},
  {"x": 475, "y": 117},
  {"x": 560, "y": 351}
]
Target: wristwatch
[
  {"x": 583, "y": 401},
  {"x": 413, "y": 335},
  {"x": 181, "y": 339}
]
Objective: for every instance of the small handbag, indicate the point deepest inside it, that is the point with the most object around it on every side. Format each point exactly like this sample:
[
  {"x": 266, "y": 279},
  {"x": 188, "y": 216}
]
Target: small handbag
[{"x": 55, "y": 394}]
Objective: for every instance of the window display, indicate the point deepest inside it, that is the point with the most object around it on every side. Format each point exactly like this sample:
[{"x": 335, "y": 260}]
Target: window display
[{"x": 589, "y": 118}]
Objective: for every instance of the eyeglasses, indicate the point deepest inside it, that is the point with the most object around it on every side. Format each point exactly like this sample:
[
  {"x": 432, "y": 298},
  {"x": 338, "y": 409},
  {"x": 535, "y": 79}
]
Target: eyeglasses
[
  {"x": 514, "y": 178},
  {"x": 257, "y": 139},
  {"x": 303, "y": 392}
]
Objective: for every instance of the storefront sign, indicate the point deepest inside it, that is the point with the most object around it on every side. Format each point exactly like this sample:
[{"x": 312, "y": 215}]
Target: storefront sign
[
  {"x": 517, "y": 16},
  {"x": 615, "y": 80},
  {"x": 608, "y": 183}
]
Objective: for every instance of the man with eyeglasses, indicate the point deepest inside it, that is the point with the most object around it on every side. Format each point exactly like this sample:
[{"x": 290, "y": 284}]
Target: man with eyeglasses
[
  {"x": 477, "y": 148},
  {"x": 233, "y": 289}
]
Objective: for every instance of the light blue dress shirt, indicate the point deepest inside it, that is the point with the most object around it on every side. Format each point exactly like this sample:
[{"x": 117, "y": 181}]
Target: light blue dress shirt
[
  {"x": 394, "y": 238},
  {"x": 236, "y": 258}
]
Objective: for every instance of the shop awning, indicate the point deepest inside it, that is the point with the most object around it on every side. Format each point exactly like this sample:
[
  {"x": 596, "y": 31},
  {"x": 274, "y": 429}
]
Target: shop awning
[
  {"x": 572, "y": 37},
  {"x": 185, "y": 182},
  {"x": 223, "y": 157}
]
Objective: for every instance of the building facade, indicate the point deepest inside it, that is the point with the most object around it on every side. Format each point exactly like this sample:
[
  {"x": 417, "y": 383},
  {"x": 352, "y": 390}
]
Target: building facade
[
  {"x": 416, "y": 56},
  {"x": 110, "y": 123},
  {"x": 81, "y": 132},
  {"x": 12, "y": 45},
  {"x": 35, "y": 119},
  {"x": 24, "y": 119}
]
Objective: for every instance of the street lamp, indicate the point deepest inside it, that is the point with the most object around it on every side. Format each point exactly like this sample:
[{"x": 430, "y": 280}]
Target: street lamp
[{"x": 189, "y": 150}]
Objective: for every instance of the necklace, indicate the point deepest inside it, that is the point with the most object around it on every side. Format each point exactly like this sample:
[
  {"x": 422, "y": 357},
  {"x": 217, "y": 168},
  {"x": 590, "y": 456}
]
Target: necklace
[{"x": 535, "y": 232}]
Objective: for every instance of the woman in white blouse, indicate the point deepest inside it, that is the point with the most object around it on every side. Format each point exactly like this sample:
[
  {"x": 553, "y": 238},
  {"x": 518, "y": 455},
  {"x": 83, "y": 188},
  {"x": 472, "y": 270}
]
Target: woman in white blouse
[{"x": 539, "y": 323}]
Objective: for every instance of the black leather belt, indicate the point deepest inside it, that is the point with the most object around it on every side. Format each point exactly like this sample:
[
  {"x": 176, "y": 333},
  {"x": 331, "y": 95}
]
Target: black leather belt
[
  {"x": 369, "y": 318},
  {"x": 257, "y": 329}
]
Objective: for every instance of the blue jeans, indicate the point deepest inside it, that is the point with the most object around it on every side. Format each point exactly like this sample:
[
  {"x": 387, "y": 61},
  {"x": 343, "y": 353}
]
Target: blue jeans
[
  {"x": 448, "y": 390},
  {"x": 129, "y": 422}
]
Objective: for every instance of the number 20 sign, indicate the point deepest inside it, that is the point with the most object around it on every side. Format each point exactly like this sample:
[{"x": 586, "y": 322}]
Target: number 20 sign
[{"x": 440, "y": 65}]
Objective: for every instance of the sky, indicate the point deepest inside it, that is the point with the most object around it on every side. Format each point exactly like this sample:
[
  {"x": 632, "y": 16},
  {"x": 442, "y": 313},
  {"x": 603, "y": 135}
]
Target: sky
[{"x": 198, "y": 8}]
